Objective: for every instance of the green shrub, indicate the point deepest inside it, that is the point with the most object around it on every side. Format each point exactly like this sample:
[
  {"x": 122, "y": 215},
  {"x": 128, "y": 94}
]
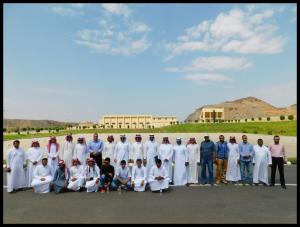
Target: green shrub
[
  {"x": 290, "y": 117},
  {"x": 57, "y": 129},
  {"x": 252, "y": 119},
  {"x": 269, "y": 132},
  {"x": 27, "y": 132},
  {"x": 246, "y": 120},
  {"x": 293, "y": 160},
  {"x": 24, "y": 129},
  {"x": 255, "y": 132},
  {"x": 259, "y": 118},
  {"x": 268, "y": 118},
  {"x": 282, "y": 117},
  {"x": 244, "y": 131},
  {"x": 37, "y": 130}
]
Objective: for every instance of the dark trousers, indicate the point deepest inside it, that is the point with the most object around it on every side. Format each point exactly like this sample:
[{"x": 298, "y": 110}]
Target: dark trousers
[
  {"x": 277, "y": 162},
  {"x": 98, "y": 159}
]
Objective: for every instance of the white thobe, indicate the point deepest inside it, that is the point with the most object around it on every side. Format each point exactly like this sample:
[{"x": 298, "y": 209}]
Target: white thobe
[
  {"x": 150, "y": 151},
  {"x": 194, "y": 159},
  {"x": 262, "y": 158},
  {"x": 53, "y": 154},
  {"x": 156, "y": 185},
  {"x": 165, "y": 152},
  {"x": 108, "y": 152},
  {"x": 42, "y": 171},
  {"x": 67, "y": 153},
  {"x": 33, "y": 155},
  {"x": 233, "y": 172},
  {"x": 91, "y": 185},
  {"x": 16, "y": 158},
  {"x": 122, "y": 152},
  {"x": 137, "y": 152},
  {"x": 76, "y": 172},
  {"x": 139, "y": 175},
  {"x": 81, "y": 153},
  {"x": 180, "y": 157}
]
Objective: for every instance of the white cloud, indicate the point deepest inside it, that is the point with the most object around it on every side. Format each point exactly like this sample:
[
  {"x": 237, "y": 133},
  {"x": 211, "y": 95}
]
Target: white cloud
[
  {"x": 69, "y": 10},
  {"x": 117, "y": 9},
  {"x": 125, "y": 37},
  {"x": 240, "y": 31},
  {"x": 204, "y": 79},
  {"x": 139, "y": 27},
  {"x": 213, "y": 63},
  {"x": 280, "y": 95}
]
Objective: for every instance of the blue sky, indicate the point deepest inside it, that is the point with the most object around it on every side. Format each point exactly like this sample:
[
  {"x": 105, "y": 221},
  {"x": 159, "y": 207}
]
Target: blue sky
[{"x": 74, "y": 62}]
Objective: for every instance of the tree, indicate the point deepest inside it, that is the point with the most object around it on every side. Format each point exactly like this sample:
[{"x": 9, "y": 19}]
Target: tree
[
  {"x": 252, "y": 119},
  {"x": 57, "y": 129},
  {"x": 290, "y": 117},
  {"x": 196, "y": 121},
  {"x": 259, "y": 118},
  {"x": 23, "y": 129},
  {"x": 282, "y": 117},
  {"x": 246, "y": 120},
  {"x": 176, "y": 122},
  {"x": 268, "y": 118},
  {"x": 37, "y": 130},
  {"x": 94, "y": 126}
]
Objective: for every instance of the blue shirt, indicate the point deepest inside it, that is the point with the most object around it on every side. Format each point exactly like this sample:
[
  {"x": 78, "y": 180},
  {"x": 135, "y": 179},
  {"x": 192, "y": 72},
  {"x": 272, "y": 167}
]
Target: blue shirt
[
  {"x": 95, "y": 146},
  {"x": 222, "y": 150},
  {"x": 246, "y": 149},
  {"x": 207, "y": 148}
]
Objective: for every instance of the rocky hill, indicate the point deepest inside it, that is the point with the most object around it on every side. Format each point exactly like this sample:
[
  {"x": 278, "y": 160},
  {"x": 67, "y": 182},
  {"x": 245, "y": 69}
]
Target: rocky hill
[
  {"x": 20, "y": 123},
  {"x": 245, "y": 108}
]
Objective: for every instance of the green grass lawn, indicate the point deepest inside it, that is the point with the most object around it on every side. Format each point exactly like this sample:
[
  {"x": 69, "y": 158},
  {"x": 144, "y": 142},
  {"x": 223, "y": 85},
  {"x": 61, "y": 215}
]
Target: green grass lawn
[{"x": 284, "y": 128}]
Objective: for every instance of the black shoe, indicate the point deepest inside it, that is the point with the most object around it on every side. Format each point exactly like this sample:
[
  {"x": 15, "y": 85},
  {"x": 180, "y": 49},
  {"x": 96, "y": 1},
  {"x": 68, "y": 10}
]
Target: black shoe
[
  {"x": 283, "y": 186},
  {"x": 171, "y": 183},
  {"x": 256, "y": 184},
  {"x": 272, "y": 185}
]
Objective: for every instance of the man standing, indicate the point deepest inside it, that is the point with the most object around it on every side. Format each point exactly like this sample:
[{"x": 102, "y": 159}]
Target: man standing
[
  {"x": 165, "y": 152},
  {"x": 139, "y": 176},
  {"x": 207, "y": 158},
  {"x": 42, "y": 177},
  {"x": 16, "y": 163},
  {"x": 122, "y": 151},
  {"x": 53, "y": 152},
  {"x": 61, "y": 177},
  {"x": 246, "y": 156},
  {"x": 107, "y": 175},
  {"x": 279, "y": 158},
  {"x": 81, "y": 152},
  {"x": 150, "y": 154},
  {"x": 92, "y": 176},
  {"x": 95, "y": 148},
  {"x": 261, "y": 160},
  {"x": 137, "y": 149},
  {"x": 158, "y": 177},
  {"x": 233, "y": 172},
  {"x": 222, "y": 157},
  {"x": 67, "y": 151},
  {"x": 123, "y": 176},
  {"x": 34, "y": 157},
  {"x": 109, "y": 150},
  {"x": 181, "y": 160},
  {"x": 194, "y": 158}
]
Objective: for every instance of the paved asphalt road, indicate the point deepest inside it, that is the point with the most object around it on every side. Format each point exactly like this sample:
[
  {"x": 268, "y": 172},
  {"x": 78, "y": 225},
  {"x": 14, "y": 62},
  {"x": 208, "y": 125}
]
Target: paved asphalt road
[{"x": 198, "y": 204}]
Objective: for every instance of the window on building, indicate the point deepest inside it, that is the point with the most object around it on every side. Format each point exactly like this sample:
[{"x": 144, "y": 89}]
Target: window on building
[{"x": 219, "y": 114}]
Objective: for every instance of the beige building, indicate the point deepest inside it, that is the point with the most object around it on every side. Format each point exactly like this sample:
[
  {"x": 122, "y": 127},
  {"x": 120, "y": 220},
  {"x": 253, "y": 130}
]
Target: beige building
[
  {"x": 136, "y": 121},
  {"x": 88, "y": 124},
  {"x": 207, "y": 114}
]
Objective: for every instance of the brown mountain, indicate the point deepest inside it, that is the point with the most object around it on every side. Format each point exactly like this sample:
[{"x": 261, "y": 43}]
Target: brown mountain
[
  {"x": 245, "y": 108},
  {"x": 20, "y": 123}
]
